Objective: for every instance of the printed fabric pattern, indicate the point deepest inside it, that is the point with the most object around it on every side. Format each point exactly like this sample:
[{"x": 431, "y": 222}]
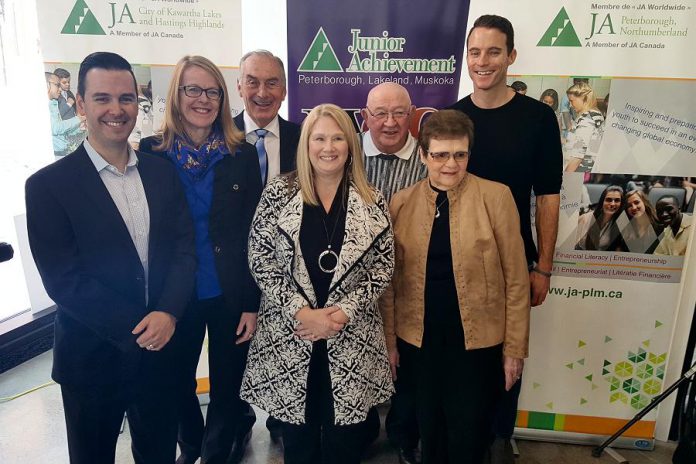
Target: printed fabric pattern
[{"x": 276, "y": 374}]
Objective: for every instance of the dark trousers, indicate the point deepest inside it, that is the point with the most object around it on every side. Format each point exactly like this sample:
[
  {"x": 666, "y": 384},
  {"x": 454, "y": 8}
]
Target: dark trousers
[
  {"x": 228, "y": 416},
  {"x": 322, "y": 444},
  {"x": 93, "y": 417},
  {"x": 319, "y": 440},
  {"x": 455, "y": 393},
  {"x": 401, "y": 422},
  {"x": 506, "y": 413}
]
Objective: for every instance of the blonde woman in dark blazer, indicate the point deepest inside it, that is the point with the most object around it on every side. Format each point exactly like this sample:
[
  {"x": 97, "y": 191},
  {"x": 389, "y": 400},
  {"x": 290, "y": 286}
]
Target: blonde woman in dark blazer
[
  {"x": 321, "y": 250},
  {"x": 457, "y": 313}
]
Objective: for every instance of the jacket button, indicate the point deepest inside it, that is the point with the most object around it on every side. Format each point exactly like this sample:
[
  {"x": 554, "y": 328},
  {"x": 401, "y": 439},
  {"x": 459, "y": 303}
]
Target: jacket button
[
  {"x": 217, "y": 249},
  {"x": 235, "y": 187}
]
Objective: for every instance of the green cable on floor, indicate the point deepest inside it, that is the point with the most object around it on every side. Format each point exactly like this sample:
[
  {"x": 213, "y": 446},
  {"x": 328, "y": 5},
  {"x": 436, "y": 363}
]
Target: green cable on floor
[{"x": 14, "y": 397}]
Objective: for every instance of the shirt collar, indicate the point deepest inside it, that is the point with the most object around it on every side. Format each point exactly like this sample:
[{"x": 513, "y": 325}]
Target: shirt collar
[
  {"x": 405, "y": 153},
  {"x": 100, "y": 163},
  {"x": 250, "y": 126},
  {"x": 685, "y": 224}
]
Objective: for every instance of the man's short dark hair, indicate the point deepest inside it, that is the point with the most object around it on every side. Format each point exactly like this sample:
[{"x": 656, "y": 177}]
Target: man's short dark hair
[
  {"x": 446, "y": 124},
  {"x": 499, "y": 23},
  {"x": 674, "y": 199},
  {"x": 62, "y": 73},
  {"x": 102, "y": 60},
  {"x": 518, "y": 86}
]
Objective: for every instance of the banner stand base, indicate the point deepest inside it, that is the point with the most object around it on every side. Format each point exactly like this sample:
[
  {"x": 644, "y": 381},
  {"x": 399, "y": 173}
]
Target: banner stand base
[
  {"x": 515, "y": 449},
  {"x": 586, "y": 439},
  {"x": 617, "y": 457}
]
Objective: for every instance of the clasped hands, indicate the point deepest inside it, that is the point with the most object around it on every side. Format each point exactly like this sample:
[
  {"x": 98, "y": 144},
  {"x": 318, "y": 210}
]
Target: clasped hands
[{"x": 317, "y": 324}]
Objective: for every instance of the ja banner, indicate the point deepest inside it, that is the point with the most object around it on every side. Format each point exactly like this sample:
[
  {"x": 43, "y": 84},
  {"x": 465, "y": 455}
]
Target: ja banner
[
  {"x": 601, "y": 345},
  {"x": 338, "y": 51}
]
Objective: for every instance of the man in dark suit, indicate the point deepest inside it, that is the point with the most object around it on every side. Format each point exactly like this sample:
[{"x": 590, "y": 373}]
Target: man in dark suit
[
  {"x": 262, "y": 86},
  {"x": 112, "y": 238}
]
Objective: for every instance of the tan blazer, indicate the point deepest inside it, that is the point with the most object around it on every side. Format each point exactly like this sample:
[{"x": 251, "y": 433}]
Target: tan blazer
[{"x": 490, "y": 268}]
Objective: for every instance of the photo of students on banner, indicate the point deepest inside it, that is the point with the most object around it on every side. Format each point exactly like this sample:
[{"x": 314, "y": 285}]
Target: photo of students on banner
[
  {"x": 144, "y": 126},
  {"x": 636, "y": 214},
  {"x": 67, "y": 128},
  {"x": 580, "y": 105}
]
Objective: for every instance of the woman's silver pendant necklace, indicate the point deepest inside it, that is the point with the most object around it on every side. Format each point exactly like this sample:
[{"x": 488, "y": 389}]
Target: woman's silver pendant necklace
[
  {"x": 328, "y": 259},
  {"x": 437, "y": 208}
]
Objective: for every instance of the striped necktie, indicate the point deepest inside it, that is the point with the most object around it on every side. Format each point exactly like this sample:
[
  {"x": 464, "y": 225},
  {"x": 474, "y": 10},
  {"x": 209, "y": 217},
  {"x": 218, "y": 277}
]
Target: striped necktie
[{"x": 261, "y": 150}]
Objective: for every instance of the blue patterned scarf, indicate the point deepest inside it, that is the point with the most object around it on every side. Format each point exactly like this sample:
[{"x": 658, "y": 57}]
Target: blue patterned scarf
[{"x": 195, "y": 161}]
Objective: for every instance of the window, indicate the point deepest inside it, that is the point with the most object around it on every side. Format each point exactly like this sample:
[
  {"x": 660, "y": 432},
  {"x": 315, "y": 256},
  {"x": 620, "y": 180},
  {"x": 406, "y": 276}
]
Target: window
[{"x": 25, "y": 143}]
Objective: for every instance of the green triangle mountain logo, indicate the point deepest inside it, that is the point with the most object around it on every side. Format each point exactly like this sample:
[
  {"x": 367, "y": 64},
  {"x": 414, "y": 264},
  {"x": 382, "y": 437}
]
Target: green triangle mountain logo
[
  {"x": 82, "y": 21},
  {"x": 320, "y": 56},
  {"x": 560, "y": 33}
]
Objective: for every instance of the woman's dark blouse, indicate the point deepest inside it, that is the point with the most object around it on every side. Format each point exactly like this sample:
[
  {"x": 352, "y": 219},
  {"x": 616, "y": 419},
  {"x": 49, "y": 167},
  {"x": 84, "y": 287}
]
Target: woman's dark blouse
[
  {"x": 313, "y": 241},
  {"x": 443, "y": 326}
]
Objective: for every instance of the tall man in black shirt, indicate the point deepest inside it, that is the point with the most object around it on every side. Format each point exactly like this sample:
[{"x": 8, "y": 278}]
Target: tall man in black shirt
[{"x": 516, "y": 142}]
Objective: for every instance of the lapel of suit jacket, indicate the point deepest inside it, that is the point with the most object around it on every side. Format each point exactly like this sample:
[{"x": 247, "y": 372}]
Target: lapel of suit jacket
[
  {"x": 284, "y": 145},
  {"x": 364, "y": 224},
  {"x": 239, "y": 121},
  {"x": 289, "y": 222},
  {"x": 105, "y": 208}
]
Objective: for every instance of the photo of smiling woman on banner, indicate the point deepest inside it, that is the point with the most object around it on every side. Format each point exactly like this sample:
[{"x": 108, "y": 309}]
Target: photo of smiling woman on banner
[{"x": 597, "y": 229}]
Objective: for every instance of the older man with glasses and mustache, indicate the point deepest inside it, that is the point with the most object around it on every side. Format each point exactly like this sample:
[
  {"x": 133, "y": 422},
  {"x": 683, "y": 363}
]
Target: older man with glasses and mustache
[{"x": 392, "y": 163}]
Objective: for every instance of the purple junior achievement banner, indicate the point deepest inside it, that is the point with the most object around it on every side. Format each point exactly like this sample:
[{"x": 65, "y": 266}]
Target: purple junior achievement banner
[{"x": 338, "y": 51}]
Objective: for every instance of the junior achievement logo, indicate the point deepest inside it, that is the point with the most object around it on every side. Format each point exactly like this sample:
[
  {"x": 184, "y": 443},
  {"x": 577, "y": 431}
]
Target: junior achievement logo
[
  {"x": 320, "y": 56},
  {"x": 560, "y": 33},
  {"x": 82, "y": 21},
  {"x": 370, "y": 55}
]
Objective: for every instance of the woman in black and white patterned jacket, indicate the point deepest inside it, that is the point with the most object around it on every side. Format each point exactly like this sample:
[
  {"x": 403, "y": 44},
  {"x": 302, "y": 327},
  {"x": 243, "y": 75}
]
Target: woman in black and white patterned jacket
[{"x": 321, "y": 250}]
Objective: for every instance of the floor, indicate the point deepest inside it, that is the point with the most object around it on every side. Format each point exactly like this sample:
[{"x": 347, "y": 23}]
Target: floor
[{"x": 32, "y": 431}]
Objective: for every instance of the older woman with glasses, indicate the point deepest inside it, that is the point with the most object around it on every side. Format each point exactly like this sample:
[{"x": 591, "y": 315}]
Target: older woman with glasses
[
  {"x": 222, "y": 181},
  {"x": 456, "y": 315}
]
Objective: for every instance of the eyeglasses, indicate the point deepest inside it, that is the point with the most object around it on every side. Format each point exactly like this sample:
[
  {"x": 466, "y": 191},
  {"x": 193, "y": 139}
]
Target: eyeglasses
[
  {"x": 441, "y": 157},
  {"x": 194, "y": 91},
  {"x": 382, "y": 115}
]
